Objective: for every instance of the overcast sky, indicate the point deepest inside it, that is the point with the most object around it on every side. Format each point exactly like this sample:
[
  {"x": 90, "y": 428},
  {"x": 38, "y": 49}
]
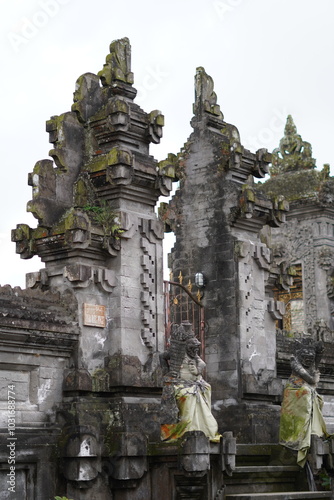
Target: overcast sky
[{"x": 268, "y": 59}]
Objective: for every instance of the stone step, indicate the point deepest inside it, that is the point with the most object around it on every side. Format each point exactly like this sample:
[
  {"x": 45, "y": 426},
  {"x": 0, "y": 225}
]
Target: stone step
[
  {"x": 298, "y": 495},
  {"x": 264, "y": 454},
  {"x": 268, "y": 471},
  {"x": 265, "y": 479},
  {"x": 259, "y": 469}
]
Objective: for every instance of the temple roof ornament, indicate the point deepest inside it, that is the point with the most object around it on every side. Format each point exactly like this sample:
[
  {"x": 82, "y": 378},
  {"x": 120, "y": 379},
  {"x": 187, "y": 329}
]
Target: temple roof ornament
[
  {"x": 293, "y": 173},
  {"x": 118, "y": 63},
  {"x": 205, "y": 97},
  {"x": 293, "y": 153},
  {"x": 100, "y": 153},
  {"x": 230, "y": 161}
]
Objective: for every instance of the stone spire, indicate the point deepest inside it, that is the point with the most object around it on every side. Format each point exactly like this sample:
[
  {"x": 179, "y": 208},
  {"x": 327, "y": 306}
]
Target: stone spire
[
  {"x": 118, "y": 63},
  {"x": 100, "y": 153},
  {"x": 205, "y": 97},
  {"x": 293, "y": 173},
  {"x": 293, "y": 153}
]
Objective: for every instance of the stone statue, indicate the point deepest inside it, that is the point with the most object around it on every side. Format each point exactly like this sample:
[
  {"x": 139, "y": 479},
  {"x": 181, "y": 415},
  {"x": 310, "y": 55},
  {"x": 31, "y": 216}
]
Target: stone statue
[
  {"x": 301, "y": 414},
  {"x": 186, "y": 397}
]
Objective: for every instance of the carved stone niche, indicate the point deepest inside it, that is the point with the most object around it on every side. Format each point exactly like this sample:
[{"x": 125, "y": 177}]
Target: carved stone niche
[
  {"x": 77, "y": 380},
  {"x": 81, "y": 462},
  {"x": 196, "y": 451},
  {"x": 195, "y": 455},
  {"x": 127, "y": 462}
]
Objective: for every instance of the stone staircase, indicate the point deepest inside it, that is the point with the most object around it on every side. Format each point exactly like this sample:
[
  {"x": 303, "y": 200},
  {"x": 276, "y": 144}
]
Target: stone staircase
[
  {"x": 268, "y": 471},
  {"x": 300, "y": 495}
]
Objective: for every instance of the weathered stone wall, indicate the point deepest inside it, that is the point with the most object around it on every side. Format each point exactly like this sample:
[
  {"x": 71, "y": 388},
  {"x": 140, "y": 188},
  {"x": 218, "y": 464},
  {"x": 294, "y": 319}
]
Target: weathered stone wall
[{"x": 38, "y": 336}]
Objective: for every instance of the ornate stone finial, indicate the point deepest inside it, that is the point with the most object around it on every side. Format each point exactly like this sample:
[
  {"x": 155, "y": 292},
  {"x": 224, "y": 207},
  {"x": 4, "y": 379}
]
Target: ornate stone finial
[
  {"x": 290, "y": 127},
  {"x": 87, "y": 97},
  {"x": 205, "y": 97},
  {"x": 293, "y": 153},
  {"x": 118, "y": 63}
]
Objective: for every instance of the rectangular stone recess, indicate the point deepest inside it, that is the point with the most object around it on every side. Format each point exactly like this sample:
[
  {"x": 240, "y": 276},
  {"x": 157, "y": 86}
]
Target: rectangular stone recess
[
  {"x": 190, "y": 488},
  {"x": 24, "y": 484},
  {"x": 20, "y": 485},
  {"x": 18, "y": 378},
  {"x": 94, "y": 315}
]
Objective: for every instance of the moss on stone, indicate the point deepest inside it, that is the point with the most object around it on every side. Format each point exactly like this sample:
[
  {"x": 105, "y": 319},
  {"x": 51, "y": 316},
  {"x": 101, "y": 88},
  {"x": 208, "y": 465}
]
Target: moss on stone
[
  {"x": 40, "y": 232},
  {"x": 117, "y": 156},
  {"x": 100, "y": 380},
  {"x": 168, "y": 166},
  {"x": 293, "y": 185},
  {"x": 21, "y": 232},
  {"x": 98, "y": 164}
]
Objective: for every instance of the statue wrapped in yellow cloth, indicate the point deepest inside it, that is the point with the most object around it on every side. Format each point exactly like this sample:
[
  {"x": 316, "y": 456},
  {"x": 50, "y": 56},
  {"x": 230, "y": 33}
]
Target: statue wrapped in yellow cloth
[
  {"x": 301, "y": 414},
  {"x": 186, "y": 397}
]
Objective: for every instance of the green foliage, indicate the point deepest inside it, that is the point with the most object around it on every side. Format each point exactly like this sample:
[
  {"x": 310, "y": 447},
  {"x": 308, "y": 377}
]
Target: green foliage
[
  {"x": 103, "y": 215},
  {"x": 325, "y": 480},
  {"x": 62, "y": 498}
]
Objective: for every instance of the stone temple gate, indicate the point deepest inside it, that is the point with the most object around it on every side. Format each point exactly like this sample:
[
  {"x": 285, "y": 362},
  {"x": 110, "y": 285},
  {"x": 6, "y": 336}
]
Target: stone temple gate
[{"x": 80, "y": 347}]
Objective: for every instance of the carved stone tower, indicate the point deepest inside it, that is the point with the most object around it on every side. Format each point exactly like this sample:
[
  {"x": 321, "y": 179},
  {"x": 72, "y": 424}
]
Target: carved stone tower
[
  {"x": 100, "y": 239},
  {"x": 217, "y": 218},
  {"x": 97, "y": 231}
]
